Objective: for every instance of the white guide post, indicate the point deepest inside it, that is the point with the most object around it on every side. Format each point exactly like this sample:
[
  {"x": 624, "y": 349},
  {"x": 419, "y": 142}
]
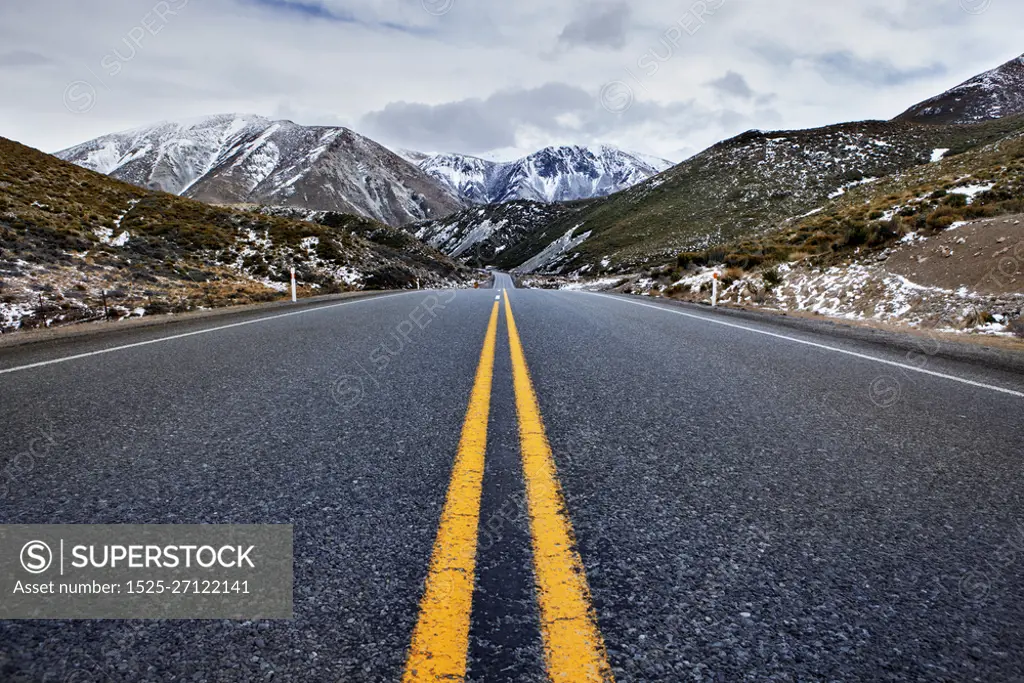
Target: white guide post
[
  {"x": 295, "y": 295},
  {"x": 714, "y": 290}
]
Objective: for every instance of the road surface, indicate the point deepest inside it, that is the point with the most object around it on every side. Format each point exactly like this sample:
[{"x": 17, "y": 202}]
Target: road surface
[{"x": 689, "y": 497}]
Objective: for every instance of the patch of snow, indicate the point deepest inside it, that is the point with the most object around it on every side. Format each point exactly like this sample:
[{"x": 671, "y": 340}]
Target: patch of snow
[
  {"x": 11, "y": 314},
  {"x": 912, "y": 237},
  {"x": 350, "y": 276},
  {"x": 972, "y": 191},
  {"x": 120, "y": 217},
  {"x": 554, "y": 250},
  {"x": 842, "y": 190},
  {"x": 810, "y": 213},
  {"x": 599, "y": 285}
]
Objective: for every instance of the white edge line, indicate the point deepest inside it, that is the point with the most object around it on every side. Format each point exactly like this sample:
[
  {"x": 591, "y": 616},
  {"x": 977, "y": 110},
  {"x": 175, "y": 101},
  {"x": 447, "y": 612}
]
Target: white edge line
[
  {"x": 310, "y": 309},
  {"x": 863, "y": 356}
]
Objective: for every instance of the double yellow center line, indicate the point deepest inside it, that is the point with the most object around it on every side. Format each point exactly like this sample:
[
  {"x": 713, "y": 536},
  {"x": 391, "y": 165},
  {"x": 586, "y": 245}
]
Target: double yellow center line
[
  {"x": 573, "y": 647},
  {"x": 439, "y": 642}
]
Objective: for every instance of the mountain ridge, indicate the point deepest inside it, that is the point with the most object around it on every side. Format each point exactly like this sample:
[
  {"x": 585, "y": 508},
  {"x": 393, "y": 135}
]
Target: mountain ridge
[
  {"x": 247, "y": 158},
  {"x": 233, "y": 158},
  {"x": 996, "y": 93},
  {"x": 557, "y": 173}
]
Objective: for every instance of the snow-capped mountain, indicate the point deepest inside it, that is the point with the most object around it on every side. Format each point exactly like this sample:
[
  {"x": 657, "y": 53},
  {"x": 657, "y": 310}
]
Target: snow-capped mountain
[
  {"x": 554, "y": 174},
  {"x": 235, "y": 158},
  {"x": 991, "y": 95},
  {"x": 470, "y": 178}
]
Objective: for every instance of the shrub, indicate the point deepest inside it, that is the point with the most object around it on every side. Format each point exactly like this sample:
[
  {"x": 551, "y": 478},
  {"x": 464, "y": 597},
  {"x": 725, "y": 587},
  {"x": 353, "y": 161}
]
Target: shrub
[
  {"x": 691, "y": 258},
  {"x": 743, "y": 261},
  {"x": 819, "y": 239},
  {"x": 731, "y": 275},
  {"x": 940, "y": 219},
  {"x": 715, "y": 255},
  {"x": 327, "y": 250},
  {"x": 772, "y": 278},
  {"x": 760, "y": 296},
  {"x": 882, "y": 233},
  {"x": 957, "y": 201},
  {"x": 856, "y": 235},
  {"x": 980, "y": 211},
  {"x": 157, "y": 307}
]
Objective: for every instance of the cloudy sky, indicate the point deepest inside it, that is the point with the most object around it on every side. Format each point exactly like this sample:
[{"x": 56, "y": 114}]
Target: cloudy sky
[{"x": 490, "y": 77}]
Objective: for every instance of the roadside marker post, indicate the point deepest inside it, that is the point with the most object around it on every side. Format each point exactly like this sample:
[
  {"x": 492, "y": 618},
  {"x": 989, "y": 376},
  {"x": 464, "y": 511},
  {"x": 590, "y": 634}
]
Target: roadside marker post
[
  {"x": 714, "y": 290},
  {"x": 295, "y": 295}
]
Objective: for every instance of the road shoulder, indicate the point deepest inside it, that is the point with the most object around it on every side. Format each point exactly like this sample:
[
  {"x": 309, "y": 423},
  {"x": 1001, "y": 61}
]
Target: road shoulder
[
  {"x": 99, "y": 330},
  {"x": 934, "y": 344}
]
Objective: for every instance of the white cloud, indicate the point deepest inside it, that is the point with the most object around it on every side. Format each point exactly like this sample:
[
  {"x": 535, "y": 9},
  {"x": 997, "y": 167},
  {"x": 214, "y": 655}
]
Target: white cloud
[
  {"x": 480, "y": 77},
  {"x": 598, "y": 26}
]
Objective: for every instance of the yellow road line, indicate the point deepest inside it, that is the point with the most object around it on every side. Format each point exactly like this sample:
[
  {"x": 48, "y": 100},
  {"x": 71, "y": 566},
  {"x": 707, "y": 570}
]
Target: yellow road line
[
  {"x": 440, "y": 640},
  {"x": 574, "y": 650}
]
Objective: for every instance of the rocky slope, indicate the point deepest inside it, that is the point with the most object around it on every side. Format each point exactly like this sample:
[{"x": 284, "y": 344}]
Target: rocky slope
[
  {"x": 991, "y": 95},
  {"x": 485, "y": 235},
  {"x": 239, "y": 158},
  {"x": 67, "y": 235}
]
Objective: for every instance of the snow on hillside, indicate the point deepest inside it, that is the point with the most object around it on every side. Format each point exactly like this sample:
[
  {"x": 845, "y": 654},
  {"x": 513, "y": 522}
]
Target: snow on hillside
[
  {"x": 554, "y": 174},
  {"x": 551, "y": 255},
  {"x": 168, "y": 156},
  {"x": 482, "y": 234},
  {"x": 991, "y": 95},
  {"x": 237, "y": 158}
]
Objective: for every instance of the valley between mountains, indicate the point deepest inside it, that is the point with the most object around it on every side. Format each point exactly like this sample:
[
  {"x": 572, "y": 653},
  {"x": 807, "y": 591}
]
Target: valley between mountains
[{"x": 911, "y": 221}]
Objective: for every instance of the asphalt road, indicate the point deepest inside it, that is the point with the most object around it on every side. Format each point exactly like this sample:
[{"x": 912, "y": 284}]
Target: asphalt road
[{"x": 748, "y": 502}]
